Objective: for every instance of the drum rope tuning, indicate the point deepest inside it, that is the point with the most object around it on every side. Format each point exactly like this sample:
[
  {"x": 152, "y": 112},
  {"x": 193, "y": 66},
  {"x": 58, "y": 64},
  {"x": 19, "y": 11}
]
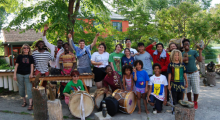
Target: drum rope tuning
[{"x": 82, "y": 108}]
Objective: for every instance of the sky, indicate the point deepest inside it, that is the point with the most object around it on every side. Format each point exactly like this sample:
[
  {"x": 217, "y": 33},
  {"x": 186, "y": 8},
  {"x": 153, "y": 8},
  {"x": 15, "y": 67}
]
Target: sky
[{"x": 10, "y": 17}]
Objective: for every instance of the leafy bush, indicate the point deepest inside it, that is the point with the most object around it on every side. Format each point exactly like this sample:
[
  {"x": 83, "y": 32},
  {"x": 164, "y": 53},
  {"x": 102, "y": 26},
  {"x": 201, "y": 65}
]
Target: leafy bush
[
  {"x": 209, "y": 52},
  {"x": 4, "y": 64}
]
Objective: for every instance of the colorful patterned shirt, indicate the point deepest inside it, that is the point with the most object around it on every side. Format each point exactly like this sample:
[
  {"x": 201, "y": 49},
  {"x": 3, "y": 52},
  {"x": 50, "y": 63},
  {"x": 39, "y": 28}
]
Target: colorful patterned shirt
[
  {"x": 177, "y": 76},
  {"x": 67, "y": 60}
]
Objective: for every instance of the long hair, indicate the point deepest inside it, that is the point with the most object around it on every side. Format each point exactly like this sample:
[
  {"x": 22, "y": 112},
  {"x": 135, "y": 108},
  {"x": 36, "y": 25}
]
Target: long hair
[
  {"x": 22, "y": 53},
  {"x": 173, "y": 54}
]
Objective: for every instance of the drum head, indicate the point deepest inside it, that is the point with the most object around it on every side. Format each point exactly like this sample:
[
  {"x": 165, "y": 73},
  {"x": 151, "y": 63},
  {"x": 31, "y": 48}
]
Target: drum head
[
  {"x": 130, "y": 102},
  {"x": 99, "y": 98},
  {"x": 74, "y": 104}
]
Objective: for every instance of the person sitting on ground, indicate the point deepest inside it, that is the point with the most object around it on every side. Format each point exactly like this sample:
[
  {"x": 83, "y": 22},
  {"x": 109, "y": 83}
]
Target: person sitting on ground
[
  {"x": 67, "y": 62},
  {"x": 127, "y": 59},
  {"x": 176, "y": 75},
  {"x": 128, "y": 82},
  {"x": 141, "y": 79},
  {"x": 112, "y": 80},
  {"x": 157, "y": 95},
  {"x": 128, "y": 45},
  {"x": 74, "y": 85}
]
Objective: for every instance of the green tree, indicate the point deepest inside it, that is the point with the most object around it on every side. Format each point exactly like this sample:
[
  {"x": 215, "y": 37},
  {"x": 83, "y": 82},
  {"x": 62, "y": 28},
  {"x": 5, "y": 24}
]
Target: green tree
[{"x": 64, "y": 16}]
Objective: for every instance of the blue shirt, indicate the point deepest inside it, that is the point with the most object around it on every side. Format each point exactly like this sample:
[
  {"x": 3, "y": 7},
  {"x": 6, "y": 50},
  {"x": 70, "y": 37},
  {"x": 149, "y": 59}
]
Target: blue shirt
[
  {"x": 142, "y": 77},
  {"x": 146, "y": 59},
  {"x": 126, "y": 61}
]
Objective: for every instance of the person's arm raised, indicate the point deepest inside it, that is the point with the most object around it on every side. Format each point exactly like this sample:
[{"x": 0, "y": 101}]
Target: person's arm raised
[
  {"x": 71, "y": 42},
  {"x": 95, "y": 40},
  {"x": 49, "y": 45}
]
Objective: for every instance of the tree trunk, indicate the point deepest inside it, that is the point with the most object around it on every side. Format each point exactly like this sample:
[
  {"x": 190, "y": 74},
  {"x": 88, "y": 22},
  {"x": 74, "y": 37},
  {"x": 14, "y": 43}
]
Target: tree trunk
[
  {"x": 202, "y": 66},
  {"x": 184, "y": 113},
  {"x": 40, "y": 103},
  {"x": 55, "y": 110}
]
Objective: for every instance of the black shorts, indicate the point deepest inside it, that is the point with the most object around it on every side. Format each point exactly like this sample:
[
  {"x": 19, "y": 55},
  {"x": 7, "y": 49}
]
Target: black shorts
[
  {"x": 157, "y": 103},
  {"x": 99, "y": 74}
]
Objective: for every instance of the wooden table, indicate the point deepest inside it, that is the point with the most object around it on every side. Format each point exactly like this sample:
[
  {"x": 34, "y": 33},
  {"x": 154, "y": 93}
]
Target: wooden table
[{"x": 63, "y": 78}]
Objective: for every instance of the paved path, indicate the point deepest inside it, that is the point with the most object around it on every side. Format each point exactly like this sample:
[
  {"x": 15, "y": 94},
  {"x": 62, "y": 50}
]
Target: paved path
[{"x": 209, "y": 107}]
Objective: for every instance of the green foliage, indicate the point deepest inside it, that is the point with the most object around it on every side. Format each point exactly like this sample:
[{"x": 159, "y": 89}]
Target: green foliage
[{"x": 209, "y": 52}]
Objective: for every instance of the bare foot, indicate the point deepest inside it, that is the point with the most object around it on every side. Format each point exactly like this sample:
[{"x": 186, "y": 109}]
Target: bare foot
[
  {"x": 139, "y": 112},
  {"x": 147, "y": 112}
]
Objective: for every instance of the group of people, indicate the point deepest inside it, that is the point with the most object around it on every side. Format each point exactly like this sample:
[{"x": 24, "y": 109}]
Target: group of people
[{"x": 151, "y": 74}]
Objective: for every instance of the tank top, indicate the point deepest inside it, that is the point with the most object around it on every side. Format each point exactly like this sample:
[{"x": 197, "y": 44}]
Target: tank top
[{"x": 128, "y": 83}]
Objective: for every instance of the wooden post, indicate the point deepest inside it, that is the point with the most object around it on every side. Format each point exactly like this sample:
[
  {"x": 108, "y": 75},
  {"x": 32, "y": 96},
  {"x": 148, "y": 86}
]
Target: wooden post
[
  {"x": 85, "y": 85},
  {"x": 40, "y": 103},
  {"x": 55, "y": 110},
  {"x": 184, "y": 113}
]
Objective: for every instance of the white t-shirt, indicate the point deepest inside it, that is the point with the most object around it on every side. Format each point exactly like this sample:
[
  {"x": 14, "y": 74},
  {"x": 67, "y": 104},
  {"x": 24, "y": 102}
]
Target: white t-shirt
[
  {"x": 100, "y": 58},
  {"x": 133, "y": 51},
  {"x": 158, "y": 84}
]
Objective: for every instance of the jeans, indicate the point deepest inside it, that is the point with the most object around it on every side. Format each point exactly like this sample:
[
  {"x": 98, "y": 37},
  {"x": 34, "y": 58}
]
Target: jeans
[{"x": 23, "y": 80}]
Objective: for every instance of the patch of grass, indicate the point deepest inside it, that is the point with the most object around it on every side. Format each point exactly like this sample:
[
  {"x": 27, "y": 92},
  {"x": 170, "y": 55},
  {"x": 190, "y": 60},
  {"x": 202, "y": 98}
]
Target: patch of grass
[
  {"x": 209, "y": 60},
  {"x": 88, "y": 119},
  {"x": 7, "y": 111},
  {"x": 65, "y": 117},
  {"x": 24, "y": 113}
]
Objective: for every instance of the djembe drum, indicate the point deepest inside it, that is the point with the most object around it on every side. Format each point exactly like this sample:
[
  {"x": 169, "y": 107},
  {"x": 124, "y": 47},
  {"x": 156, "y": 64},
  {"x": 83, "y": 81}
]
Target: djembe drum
[
  {"x": 127, "y": 100},
  {"x": 81, "y": 103},
  {"x": 99, "y": 96}
]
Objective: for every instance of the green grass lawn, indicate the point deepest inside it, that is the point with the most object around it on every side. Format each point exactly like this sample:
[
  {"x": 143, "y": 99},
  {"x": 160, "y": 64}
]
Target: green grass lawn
[{"x": 209, "y": 60}]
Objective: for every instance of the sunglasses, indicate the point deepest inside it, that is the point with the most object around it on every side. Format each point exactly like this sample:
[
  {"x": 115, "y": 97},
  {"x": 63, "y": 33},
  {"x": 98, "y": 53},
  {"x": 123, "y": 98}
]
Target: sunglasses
[
  {"x": 25, "y": 47},
  {"x": 128, "y": 42},
  {"x": 76, "y": 76}
]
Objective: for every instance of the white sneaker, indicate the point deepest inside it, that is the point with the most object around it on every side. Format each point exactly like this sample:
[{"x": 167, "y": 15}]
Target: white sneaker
[{"x": 154, "y": 111}]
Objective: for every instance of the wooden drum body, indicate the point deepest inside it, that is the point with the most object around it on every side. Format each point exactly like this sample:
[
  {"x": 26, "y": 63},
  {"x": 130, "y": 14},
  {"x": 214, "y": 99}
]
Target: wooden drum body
[
  {"x": 127, "y": 100},
  {"x": 99, "y": 96},
  {"x": 74, "y": 104}
]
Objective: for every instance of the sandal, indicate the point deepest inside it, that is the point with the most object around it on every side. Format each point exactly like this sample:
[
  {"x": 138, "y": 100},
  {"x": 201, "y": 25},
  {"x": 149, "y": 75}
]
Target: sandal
[
  {"x": 24, "y": 104},
  {"x": 30, "y": 107}
]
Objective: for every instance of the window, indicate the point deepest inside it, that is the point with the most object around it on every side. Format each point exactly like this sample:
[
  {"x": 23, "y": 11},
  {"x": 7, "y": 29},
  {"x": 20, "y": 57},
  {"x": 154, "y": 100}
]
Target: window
[
  {"x": 81, "y": 27},
  {"x": 117, "y": 25},
  {"x": 96, "y": 23}
]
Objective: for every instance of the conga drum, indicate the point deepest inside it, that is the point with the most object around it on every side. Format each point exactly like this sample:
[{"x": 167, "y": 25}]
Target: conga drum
[
  {"x": 99, "y": 96},
  {"x": 75, "y": 103},
  {"x": 127, "y": 100}
]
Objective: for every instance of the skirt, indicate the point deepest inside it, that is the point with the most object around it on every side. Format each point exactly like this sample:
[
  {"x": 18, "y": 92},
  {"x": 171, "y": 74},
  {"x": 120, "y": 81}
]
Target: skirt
[{"x": 99, "y": 74}]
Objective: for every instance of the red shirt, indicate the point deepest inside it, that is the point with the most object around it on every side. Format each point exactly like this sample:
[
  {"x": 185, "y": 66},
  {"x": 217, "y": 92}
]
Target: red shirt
[
  {"x": 164, "y": 62},
  {"x": 110, "y": 81}
]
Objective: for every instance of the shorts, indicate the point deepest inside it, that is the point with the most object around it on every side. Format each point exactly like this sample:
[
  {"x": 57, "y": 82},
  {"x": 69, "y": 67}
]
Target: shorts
[
  {"x": 193, "y": 82},
  {"x": 141, "y": 90},
  {"x": 157, "y": 103},
  {"x": 84, "y": 70},
  {"x": 99, "y": 74}
]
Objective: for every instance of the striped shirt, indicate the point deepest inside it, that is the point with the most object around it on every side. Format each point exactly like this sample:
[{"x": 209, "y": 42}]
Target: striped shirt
[{"x": 41, "y": 60}]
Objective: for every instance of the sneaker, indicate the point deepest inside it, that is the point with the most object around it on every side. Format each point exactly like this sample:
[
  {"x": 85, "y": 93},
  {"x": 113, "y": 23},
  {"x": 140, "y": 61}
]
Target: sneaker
[
  {"x": 154, "y": 111},
  {"x": 195, "y": 105}
]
